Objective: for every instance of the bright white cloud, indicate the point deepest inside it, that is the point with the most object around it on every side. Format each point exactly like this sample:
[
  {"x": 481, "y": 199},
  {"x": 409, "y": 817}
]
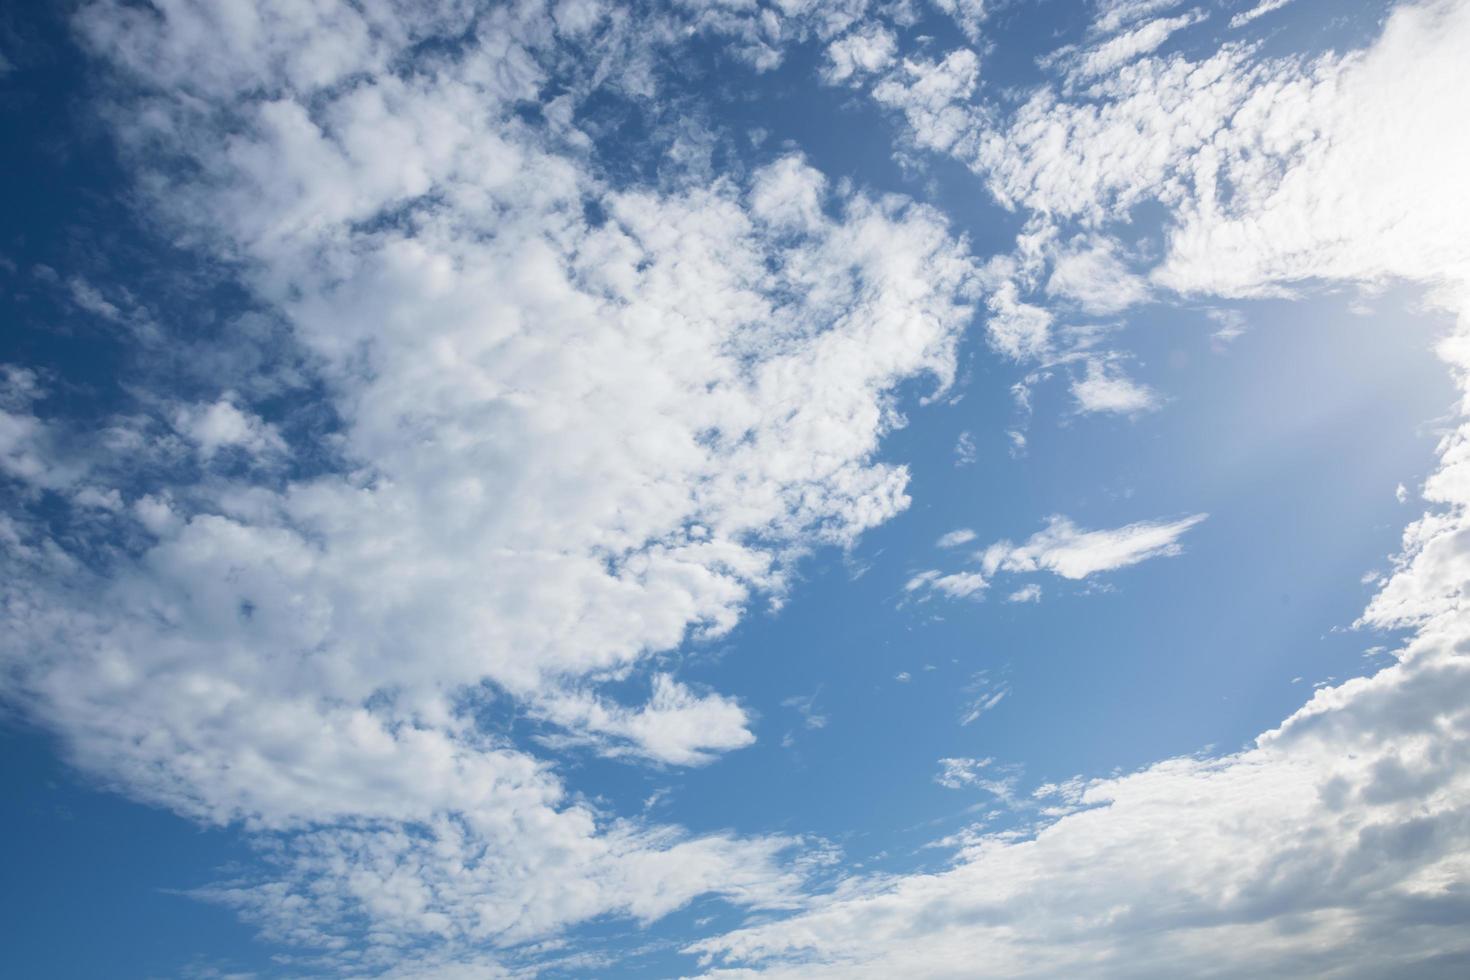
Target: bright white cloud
[
  {"x": 934, "y": 98},
  {"x": 566, "y": 443},
  {"x": 676, "y": 726},
  {"x": 1064, "y": 549},
  {"x": 865, "y": 51},
  {"x": 1104, "y": 388}
]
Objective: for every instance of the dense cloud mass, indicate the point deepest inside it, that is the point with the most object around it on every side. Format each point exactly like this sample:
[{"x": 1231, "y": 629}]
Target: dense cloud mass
[{"x": 570, "y": 417}]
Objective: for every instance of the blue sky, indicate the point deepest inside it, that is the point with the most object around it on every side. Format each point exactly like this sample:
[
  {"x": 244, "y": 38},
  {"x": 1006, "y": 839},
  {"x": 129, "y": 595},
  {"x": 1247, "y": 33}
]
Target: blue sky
[{"x": 734, "y": 489}]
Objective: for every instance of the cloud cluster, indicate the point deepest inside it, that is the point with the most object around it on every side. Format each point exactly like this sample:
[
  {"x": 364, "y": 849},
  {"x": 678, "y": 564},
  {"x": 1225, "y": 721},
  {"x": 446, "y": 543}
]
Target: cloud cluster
[
  {"x": 575, "y": 424},
  {"x": 1335, "y": 844},
  {"x": 1061, "y": 548}
]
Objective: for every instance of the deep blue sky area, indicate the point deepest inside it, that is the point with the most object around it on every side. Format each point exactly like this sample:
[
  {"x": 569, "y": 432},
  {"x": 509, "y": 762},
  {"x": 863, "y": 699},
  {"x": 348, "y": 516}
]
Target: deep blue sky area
[{"x": 1305, "y": 437}]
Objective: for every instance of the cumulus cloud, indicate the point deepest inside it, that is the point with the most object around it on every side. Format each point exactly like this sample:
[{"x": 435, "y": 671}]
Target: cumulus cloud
[
  {"x": 222, "y": 425},
  {"x": 573, "y": 427},
  {"x": 1104, "y": 388},
  {"x": 933, "y": 97},
  {"x": 865, "y": 51}
]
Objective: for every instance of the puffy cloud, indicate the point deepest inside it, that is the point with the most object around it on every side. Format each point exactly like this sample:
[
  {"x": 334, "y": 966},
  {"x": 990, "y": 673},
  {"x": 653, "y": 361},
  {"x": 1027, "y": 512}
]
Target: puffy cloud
[
  {"x": 573, "y": 427},
  {"x": 222, "y": 425},
  {"x": 934, "y": 99},
  {"x": 865, "y": 51},
  {"x": 1103, "y": 388}
]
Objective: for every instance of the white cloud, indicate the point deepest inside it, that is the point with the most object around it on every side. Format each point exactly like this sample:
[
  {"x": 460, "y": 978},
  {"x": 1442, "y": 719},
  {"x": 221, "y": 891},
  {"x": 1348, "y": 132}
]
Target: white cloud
[
  {"x": 1286, "y": 858},
  {"x": 958, "y": 773},
  {"x": 955, "y": 538},
  {"x": 562, "y": 445},
  {"x": 1018, "y": 329},
  {"x": 955, "y": 585},
  {"x": 965, "y": 452},
  {"x": 1290, "y": 856},
  {"x": 1231, "y": 327},
  {"x": 934, "y": 99},
  {"x": 806, "y": 706},
  {"x": 866, "y": 51},
  {"x": 1105, "y": 389},
  {"x": 989, "y": 697},
  {"x": 1115, "y": 14},
  {"x": 1259, "y": 10},
  {"x": 675, "y": 726},
  {"x": 222, "y": 425},
  {"x": 968, "y": 15},
  {"x": 1064, "y": 549},
  {"x": 1109, "y": 55},
  {"x": 1093, "y": 276},
  {"x": 1026, "y": 593}
]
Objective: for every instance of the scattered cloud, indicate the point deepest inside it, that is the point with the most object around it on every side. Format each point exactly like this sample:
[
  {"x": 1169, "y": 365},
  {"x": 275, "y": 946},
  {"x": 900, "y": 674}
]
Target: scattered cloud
[
  {"x": 1104, "y": 388},
  {"x": 1259, "y": 10},
  {"x": 955, "y": 585},
  {"x": 964, "y": 450},
  {"x": 955, "y": 538},
  {"x": 1064, "y": 549}
]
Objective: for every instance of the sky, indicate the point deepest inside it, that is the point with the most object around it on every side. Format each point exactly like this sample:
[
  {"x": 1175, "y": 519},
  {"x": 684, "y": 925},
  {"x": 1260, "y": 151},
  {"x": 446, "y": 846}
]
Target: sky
[{"x": 735, "y": 489}]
